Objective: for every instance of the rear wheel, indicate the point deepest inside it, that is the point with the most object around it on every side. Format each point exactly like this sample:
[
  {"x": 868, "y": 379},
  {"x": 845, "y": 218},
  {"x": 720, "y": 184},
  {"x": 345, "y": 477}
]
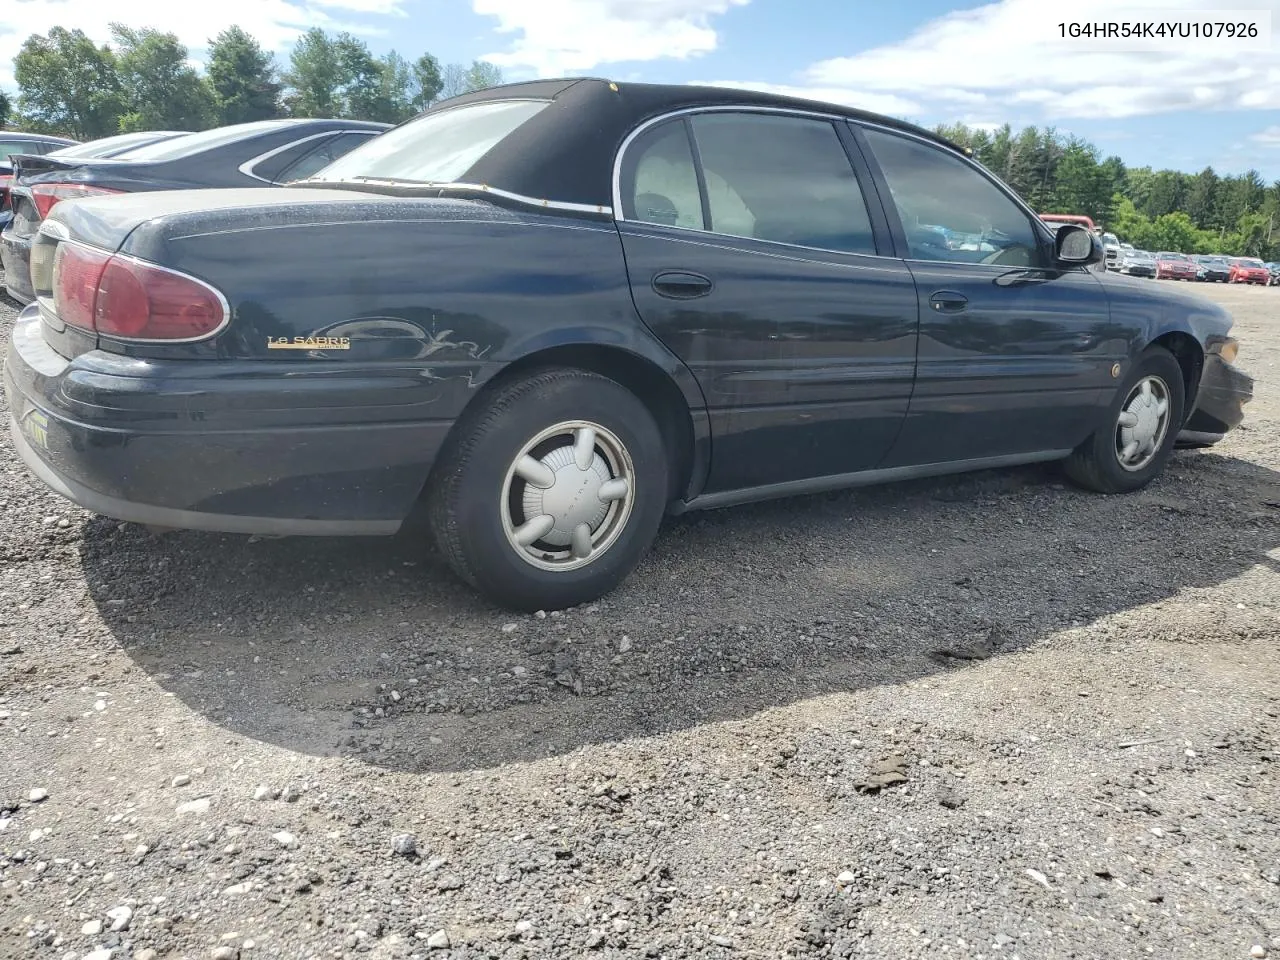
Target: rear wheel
[
  {"x": 1142, "y": 423},
  {"x": 549, "y": 495}
]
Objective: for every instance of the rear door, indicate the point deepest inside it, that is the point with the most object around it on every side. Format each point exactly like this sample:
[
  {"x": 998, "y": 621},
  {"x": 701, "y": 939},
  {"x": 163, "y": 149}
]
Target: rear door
[
  {"x": 755, "y": 257},
  {"x": 1015, "y": 353}
]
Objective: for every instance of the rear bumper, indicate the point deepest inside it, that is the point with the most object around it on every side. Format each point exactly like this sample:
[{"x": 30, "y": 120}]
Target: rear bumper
[
  {"x": 15, "y": 259},
  {"x": 1224, "y": 390},
  {"x": 217, "y": 445}
]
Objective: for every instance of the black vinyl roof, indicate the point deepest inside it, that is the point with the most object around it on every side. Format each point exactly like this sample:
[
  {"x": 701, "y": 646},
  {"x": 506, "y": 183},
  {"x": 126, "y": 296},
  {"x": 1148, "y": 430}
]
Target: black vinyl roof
[{"x": 566, "y": 152}]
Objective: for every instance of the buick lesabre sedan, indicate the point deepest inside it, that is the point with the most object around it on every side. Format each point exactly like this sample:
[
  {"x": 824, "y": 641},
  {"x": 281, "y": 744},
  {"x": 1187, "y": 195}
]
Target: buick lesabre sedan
[{"x": 558, "y": 310}]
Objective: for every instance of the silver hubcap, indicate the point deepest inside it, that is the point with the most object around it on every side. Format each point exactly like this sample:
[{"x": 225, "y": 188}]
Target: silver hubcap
[
  {"x": 567, "y": 495},
  {"x": 1143, "y": 423}
]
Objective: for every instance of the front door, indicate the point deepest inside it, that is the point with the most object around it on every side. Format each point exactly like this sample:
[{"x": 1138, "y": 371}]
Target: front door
[
  {"x": 1015, "y": 354},
  {"x": 754, "y": 257}
]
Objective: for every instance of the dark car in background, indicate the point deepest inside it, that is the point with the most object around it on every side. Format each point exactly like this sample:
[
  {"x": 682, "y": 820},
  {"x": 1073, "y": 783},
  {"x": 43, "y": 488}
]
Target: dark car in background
[
  {"x": 557, "y": 310},
  {"x": 1213, "y": 269},
  {"x": 12, "y": 142},
  {"x": 261, "y": 154}
]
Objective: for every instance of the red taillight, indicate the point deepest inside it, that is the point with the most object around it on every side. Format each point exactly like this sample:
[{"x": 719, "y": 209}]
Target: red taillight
[
  {"x": 76, "y": 272},
  {"x": 120, "y": 297},
  {"x": 47, "y": 195},
  {"x": 141, "y": 301}
]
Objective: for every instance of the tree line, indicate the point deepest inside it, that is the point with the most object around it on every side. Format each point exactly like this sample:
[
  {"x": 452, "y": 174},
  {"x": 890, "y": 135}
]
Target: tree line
[
  {"x": 143, "y": 80},
  {"x": 1152, "y": 209}
]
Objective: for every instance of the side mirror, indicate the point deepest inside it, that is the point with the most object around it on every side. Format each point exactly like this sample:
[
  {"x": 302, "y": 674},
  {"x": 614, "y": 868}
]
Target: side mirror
[{"x": 1077, "y": 246}]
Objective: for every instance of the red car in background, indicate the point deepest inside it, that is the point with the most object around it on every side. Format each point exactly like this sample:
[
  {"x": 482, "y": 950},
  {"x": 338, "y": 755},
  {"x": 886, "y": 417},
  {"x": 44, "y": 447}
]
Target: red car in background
[
  {"x": 1174, "y": 266},
  {"x": 1249, "y": 270}
]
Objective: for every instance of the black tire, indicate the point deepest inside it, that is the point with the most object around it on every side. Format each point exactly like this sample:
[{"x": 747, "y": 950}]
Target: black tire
[
  {"x": 1095, "y": 464},
  {"x": 466, "y": 503}
]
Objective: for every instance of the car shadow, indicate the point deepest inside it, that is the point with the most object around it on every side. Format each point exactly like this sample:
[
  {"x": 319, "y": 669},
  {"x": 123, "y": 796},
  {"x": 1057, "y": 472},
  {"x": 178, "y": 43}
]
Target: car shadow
[{"x": 369, "y": 649}]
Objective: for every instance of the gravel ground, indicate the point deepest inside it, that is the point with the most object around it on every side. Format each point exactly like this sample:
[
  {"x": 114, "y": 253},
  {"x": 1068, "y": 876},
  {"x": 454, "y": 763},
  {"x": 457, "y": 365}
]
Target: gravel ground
[{"x": 979, "y": 717}]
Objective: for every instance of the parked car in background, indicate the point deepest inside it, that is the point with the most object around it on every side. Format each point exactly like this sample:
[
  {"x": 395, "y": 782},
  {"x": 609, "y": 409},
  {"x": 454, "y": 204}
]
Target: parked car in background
[
  {"x": 1274, "y": 270},
  {"x": 1111, "y": 250},
  {"x": 261, "y": 154},
  {"x": 114, "y": 146},
  {"x": 1137, "y": 263},
  {"x": 1213, "y": 269},
  {"x": 559, "y": 309},
  {"x": 12, "y": 142},
  {"x": 1249, "y": 270},
  {"x": 1174, "y": 266}
]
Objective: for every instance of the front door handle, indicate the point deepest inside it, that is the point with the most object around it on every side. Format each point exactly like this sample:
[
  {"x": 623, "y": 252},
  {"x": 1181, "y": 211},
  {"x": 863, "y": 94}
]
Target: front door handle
[
  {"x": 678, "y": 285},
  {"x": 946, "y": 301}
]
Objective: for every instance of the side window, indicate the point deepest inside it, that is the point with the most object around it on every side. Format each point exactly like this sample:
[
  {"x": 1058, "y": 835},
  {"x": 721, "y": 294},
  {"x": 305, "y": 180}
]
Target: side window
[
  {"x": 948, "y": 209},
  {"x": 784, "y": 179},
  {"x": 9, "y": 147},
  {"x": 270, "y": 168},
  {"x": 659, "y": 183},
  {"x": 322, "y": 156}
]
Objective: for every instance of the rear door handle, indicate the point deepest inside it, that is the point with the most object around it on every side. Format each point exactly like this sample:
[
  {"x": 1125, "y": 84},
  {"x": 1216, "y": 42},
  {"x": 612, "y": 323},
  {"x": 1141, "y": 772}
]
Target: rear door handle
[
  {"x": 945, "y": 301},
  {"x": 678, "y": 285}
]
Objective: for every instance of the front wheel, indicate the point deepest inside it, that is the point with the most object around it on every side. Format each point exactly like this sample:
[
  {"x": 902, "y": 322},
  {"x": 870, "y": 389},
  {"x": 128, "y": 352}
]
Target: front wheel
[
  {"x": 1142, "y": 423},
  {"x": 549, "y": 493}
]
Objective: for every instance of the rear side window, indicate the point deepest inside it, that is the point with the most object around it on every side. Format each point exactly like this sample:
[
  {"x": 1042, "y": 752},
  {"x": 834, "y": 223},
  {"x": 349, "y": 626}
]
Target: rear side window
[
  {"x": 784, "y": 179},
  {"x": 437, "y": 147},
  {"x": 776, "y": 178},
  {"x": 322, "y": 156},
  {"x": 273, "y": 166},
  {"x": 9, "y": 147},
  {"x": 663, "y": 180}
]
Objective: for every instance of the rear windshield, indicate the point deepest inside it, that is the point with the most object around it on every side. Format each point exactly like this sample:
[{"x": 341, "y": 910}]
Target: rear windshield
[
  {"x": 437, "y": 148},
  {"x": 196, "y": 142},
  {"x": 109, "y": 146}
]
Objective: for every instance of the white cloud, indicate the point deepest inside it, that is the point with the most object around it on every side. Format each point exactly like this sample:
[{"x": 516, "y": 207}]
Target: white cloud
[
  {"x": 275, "y": 23},
  {"x": 559, "y": 37},
  {"x": 883, "y": 103},
  {"x": 1269, "y": 137},
  {"x": 1008, "y": 54}
]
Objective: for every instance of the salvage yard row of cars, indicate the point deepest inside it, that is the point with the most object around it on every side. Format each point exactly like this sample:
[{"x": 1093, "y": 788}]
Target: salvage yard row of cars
[
  {"x": 552, "y": 312},
  {"x": 1170, "y": 265}
]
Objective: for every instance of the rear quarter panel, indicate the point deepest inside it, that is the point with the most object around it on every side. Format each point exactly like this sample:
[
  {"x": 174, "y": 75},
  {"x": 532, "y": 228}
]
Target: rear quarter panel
[{"x": 456, "y": 289}]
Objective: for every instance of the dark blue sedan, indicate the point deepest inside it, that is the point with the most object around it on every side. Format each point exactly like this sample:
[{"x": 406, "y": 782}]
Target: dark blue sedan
[{"x": 555, "y": 311}]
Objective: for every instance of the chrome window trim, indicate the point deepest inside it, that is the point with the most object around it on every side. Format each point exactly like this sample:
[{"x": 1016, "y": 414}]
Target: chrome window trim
[
  {"x": 732, "y": 108},
  {"x": 247, "y": 167},
  {"x": 531, "y": 201},
  {"x": 813, "y": 115}
]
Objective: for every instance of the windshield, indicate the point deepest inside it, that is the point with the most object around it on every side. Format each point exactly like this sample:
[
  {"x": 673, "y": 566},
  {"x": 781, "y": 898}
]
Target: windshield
[
  {"x": 196, "y": 142},
  {"x": 1111, "y": 238},
  {"x": 1252, "y": 263},
  {"x": 438, "y": 147},
  {"x": 109, "y": 146}
]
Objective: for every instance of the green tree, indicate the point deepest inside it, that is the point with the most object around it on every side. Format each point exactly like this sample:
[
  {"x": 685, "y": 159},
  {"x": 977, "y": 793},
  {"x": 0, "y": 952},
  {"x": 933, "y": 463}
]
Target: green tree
[
  {"x": 1201, "y": 197},
  {"x": 427, "y": 82},
  {"x": 314, "y": 76},
  {"x": 396, "y": 89},
  {"x": 67, "y": 84},
  {"x": 456, "y": 79},
  {"x": 243, "y": 78},
  {"x": 5, "y": 108},
  {"x": 162, "y": 89}
]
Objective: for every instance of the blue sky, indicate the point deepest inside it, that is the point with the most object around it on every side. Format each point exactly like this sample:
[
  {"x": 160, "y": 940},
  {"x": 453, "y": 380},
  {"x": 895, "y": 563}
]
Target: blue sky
[{"x": 1187, "y": 105}]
